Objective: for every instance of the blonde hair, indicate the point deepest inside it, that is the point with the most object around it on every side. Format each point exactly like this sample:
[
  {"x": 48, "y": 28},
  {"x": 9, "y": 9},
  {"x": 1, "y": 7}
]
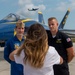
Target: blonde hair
[
  {"x": 20, "y": 24},
  {"x": 35, "y": 46},
  {"x": 52, "y": 18}
]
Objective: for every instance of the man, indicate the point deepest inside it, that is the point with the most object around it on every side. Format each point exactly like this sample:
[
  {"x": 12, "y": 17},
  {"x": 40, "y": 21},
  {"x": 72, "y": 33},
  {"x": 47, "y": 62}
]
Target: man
[
  {"x": 12, "y": 44},
  {"x": 63, "y": 45}
]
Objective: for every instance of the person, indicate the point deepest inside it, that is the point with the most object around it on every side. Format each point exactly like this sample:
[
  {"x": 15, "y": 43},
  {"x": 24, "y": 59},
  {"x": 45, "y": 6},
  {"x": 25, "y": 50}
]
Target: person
[
  {"x": 63, "y": 44},
  {"x": 12, "y": 44},
  {"x": 35, "y": 55}
]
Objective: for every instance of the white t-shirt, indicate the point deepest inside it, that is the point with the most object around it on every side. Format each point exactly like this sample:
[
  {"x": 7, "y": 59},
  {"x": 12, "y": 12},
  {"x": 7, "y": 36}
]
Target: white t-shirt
[{"x": 52, "y": 57}]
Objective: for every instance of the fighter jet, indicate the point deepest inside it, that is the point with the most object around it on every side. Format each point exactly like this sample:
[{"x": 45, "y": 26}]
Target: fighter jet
[
  {"x": 33, "y": 9},
  {"x": 8, "y": 24}
]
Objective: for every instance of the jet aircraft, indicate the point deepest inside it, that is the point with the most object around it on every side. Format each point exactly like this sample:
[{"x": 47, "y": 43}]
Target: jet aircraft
[
  {"x": 70, "y": 32},
  {"x": 33, "y": 9},
  {"x": 7, "y": 25}
]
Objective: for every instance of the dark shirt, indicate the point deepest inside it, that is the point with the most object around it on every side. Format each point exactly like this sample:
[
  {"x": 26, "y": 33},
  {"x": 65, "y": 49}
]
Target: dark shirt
[
  {"x": 12, "y": 44},
  {"x": 61, "y": 42}
]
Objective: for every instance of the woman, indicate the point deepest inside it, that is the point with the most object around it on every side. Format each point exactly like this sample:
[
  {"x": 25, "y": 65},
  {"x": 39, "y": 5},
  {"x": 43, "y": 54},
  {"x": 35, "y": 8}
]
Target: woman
[{"x": 35, "y": 55}]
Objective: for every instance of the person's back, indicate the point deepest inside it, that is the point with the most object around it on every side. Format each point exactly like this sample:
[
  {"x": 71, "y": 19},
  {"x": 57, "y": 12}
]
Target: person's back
[
  {"x": 12, "y": 44},
  {"x": 35, "y": 55}
]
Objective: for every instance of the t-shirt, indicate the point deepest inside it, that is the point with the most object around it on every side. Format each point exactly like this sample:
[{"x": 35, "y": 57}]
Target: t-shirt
[{"x": 51, "y": 58}]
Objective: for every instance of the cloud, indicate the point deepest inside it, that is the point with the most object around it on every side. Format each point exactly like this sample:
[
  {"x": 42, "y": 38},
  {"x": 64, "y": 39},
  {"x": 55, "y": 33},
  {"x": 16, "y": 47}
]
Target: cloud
[
  {"x": 41, "y": 7},
  {"x": 62, "y": 6},
  {"x": 28, "y": 4},
  {"x": 23, "y": 2}
]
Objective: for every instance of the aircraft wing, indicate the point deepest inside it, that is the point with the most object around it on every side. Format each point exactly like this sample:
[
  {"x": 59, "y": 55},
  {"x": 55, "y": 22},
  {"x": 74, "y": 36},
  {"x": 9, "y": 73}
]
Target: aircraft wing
[{"x": 69, "y": 32}]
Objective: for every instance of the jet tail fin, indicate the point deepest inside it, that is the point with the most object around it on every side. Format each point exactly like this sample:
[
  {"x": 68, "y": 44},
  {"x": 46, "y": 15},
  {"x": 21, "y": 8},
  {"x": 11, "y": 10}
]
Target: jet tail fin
[
  {"x": 64, "y": 20},
  {"x": 40, "y": 18}
]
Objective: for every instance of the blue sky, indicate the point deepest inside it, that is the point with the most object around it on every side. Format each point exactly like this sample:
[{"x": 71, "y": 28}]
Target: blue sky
[{"x": 49, "y": 8}]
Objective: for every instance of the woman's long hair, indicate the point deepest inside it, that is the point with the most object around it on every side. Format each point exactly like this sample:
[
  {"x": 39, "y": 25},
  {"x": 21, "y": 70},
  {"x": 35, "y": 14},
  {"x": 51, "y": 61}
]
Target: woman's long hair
[{"x": 35, "y": 46}]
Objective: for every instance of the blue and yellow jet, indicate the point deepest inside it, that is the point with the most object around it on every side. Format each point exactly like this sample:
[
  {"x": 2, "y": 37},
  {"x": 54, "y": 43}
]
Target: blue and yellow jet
[{"x": 7, "y": 25}]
